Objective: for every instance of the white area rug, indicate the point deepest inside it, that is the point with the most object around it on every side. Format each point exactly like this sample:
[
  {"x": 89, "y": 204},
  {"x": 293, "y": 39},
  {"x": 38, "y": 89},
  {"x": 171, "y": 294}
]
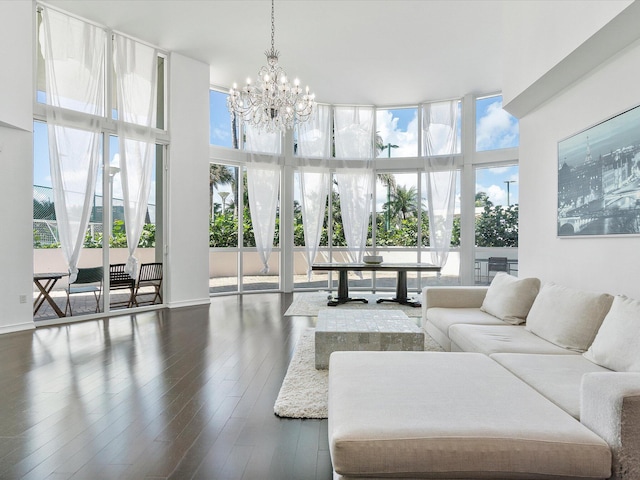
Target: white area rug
[
  {"x": 308, "y": 304},
  {"x": 304, "y": 391}
]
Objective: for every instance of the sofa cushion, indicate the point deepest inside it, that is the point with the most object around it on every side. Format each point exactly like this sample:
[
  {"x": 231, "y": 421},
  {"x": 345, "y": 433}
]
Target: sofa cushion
[
  {"x": 450, "y": 415},
  {"x": 510, "y": 298},
  {"x": 490, "y": 339},
  {"x": 568, "y": 317},
  {"x": 557, "y": 377},
  {"x": 616, "y": 344},
  {"x": 443, "y": 318}
]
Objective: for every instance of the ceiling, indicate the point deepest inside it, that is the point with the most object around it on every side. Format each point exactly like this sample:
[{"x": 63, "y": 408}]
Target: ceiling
[{"x": 378, "y": 52}]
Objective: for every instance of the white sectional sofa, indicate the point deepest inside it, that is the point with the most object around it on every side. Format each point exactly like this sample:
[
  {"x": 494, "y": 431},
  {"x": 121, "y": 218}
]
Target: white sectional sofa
[{"x": 548, "y": 387}]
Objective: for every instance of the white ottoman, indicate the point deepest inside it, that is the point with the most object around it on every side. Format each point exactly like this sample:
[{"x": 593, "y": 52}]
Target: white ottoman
[{"x": 450, "y": 415}]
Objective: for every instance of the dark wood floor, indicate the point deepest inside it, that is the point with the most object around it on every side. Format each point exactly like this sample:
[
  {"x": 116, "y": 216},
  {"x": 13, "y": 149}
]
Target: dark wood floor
[{"x": 178, "y": 394}]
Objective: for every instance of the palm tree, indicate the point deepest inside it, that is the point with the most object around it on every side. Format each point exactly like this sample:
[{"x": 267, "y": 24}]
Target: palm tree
[
  {"x": 482, "y": 200},
  {"x": 404, "y": 202},
  {"x": 234, "y": 131},
  {"x": 218, "y": 175},
  {"x": 389, "y": 181}
]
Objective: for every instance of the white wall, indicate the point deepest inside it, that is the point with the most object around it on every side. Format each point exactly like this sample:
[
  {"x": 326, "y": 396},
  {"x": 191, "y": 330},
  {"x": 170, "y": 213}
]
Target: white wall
[
  {"x": 16, "y": 166},
  {"x": 187, "y": 204},
  {"x": 16, "y": 52},
  {"x": 549, "y": 45},
  {"x": 16, "y": 230},
  {"x": 600, "y": 264}
]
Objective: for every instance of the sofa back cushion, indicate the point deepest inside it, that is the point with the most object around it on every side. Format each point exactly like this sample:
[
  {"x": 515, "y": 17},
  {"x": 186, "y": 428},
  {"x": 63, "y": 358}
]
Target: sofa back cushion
[
  {"x": 568, "y": 317},
  {"x": 616, "y": 344},
  {"x": 510, "y": 298}
]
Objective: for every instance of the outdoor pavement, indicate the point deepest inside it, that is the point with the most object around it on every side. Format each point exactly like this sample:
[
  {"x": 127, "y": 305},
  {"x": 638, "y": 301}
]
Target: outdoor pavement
[{"x": 84, "y": 304}]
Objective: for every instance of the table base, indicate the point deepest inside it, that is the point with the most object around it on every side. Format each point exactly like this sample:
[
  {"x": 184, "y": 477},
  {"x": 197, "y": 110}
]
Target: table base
[
  {"x": 401, "y": 301},
  {"x": 335, "y": 301}
]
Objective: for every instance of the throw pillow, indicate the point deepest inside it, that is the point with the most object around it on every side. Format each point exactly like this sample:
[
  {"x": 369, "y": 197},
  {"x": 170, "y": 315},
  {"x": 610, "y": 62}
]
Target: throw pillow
[
  {"x": 568, "y": 317},
  {"x": 510, "y": 298},
  {"x": 616, "y": 344}
]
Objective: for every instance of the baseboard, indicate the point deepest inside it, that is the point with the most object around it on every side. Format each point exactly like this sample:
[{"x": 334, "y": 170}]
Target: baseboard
[
  {"x": 189, "y": 303},
  {"x": 20, "y": 327}
]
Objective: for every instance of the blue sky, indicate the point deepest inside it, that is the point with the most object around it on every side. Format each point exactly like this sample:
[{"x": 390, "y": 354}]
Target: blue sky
[
  {"x": 42, "y": 172},
  {"x": 495, "y": 129}
]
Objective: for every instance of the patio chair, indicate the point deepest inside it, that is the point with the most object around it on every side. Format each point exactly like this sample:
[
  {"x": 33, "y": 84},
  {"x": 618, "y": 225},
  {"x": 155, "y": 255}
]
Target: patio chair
[
  {"x": 496, "y": 264},
  {"x": 89, "y": 280},
  {"x": 150, "y": 276},
  {"x": 121, "y": 280}
]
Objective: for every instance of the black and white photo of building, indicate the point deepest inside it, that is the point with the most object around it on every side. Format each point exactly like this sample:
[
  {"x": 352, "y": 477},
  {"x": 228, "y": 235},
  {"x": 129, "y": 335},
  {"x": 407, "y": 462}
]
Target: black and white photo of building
[{"x": 599, "y": 179}]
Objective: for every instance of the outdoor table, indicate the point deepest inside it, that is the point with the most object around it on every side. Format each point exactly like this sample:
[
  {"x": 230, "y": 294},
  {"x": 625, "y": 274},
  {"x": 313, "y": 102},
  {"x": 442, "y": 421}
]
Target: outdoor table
[
  {"x": 401, "y": 282},
  {"x": 45, "y": 283}
]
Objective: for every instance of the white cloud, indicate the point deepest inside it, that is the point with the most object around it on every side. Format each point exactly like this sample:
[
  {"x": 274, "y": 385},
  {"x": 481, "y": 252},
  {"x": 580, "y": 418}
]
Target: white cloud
[
  {"x": 387, "y": 128},
  {"x": 497, "y": 129},
  {"x": 496, "y": 193}
]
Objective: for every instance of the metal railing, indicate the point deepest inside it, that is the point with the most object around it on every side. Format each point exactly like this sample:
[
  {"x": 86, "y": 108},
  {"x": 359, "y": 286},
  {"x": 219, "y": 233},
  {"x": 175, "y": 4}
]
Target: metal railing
[{"x": 45, "y": 225}]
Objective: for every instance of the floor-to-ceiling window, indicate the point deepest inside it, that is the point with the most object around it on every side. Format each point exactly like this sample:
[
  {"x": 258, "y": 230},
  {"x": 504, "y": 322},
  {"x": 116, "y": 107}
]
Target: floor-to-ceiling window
[
  {"x": 399, "y": 222},
  {"x": 111, "y": 220},
  {"x": 496, "y": 191}
]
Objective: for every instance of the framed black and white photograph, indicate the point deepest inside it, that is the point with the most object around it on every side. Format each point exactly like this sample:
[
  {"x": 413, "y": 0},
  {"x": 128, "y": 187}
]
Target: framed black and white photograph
[{"x": 599, "y": 179}]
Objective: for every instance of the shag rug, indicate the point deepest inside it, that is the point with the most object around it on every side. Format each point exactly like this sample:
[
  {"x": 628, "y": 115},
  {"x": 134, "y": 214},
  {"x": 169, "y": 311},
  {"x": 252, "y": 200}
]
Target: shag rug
[
  {"x": 304, "y": 391},
  {"x": 308, "y": 304}
]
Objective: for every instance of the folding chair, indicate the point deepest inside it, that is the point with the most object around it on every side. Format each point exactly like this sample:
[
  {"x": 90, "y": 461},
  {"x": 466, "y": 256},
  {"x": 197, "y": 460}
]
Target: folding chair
[
  {"x": 89, "y": 280},
  {"x": 121, "y": 280},
  {"x": 150, "y": 276}
]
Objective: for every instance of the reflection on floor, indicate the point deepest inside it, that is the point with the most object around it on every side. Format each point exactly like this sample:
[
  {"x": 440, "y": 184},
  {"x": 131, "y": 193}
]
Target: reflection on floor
[{"x": 178, "y": 393}]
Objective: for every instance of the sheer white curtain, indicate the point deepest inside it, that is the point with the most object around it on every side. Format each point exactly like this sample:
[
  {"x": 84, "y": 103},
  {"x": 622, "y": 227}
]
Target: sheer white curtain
[
  {"x": 440, "y": 136},
  {"x": 315, "y": 190},
  {"x": 440, "y": 128},
  {"x": 314, "y": 136},
  {"x": 74, "y": 58},
  {"x": 261, "y": 142},
  {"x": 136, "y": 71},
  {"x": 355, "y": 187},
  {"x": 263, "y": 182},
  {"x": 314, "y": 141},
  {"x": 441, "y": 196},
  {"x": 354, "y": 141},
  {"x": 263, "y": 187},
  {"x": 353, "y": 132}
]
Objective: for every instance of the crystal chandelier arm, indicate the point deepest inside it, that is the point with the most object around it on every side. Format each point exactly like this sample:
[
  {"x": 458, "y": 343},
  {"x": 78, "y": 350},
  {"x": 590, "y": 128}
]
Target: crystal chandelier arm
[{"x": 272, "y": 104}]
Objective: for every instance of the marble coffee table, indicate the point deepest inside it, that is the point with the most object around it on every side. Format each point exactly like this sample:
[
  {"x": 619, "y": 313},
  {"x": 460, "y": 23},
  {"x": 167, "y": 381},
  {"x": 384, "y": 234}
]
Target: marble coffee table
[{"x": 364, "y": 330}]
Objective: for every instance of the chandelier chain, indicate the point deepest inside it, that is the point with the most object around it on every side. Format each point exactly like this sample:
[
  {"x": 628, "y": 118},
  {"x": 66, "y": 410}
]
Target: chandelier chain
[
  {"x": 273, "y": 26},
  {"x": 272, "y": 104}
]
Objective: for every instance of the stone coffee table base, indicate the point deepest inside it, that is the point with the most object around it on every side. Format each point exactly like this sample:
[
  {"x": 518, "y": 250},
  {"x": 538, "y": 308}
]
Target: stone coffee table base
[{"x": 364, "y": 330}]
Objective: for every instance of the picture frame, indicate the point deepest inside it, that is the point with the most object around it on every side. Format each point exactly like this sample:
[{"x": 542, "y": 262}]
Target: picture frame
[{"x": 599, "y": 179}]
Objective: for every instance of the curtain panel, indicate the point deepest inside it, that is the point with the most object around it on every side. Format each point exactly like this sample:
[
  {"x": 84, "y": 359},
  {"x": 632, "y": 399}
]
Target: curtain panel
[
  {"x": 314, "y": 186},
  {"x": 355, "y": 187},
  {"x": 440, "y": 140},
  {"x": 136, "y": 71},
  {"x": 353, "y": 126},
  {"x": 263, "y": 187},
  {"x": 263, "y": 182},
  {"x": 314, "y": 142},
  {"x": 314, "y": 136},
  {"x": 74, "y": 59}
]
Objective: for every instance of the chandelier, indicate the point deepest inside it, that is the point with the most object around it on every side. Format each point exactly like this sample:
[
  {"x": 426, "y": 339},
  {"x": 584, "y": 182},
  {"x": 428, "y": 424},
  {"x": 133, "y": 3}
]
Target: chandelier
[{"x": 272, "y": 104}]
